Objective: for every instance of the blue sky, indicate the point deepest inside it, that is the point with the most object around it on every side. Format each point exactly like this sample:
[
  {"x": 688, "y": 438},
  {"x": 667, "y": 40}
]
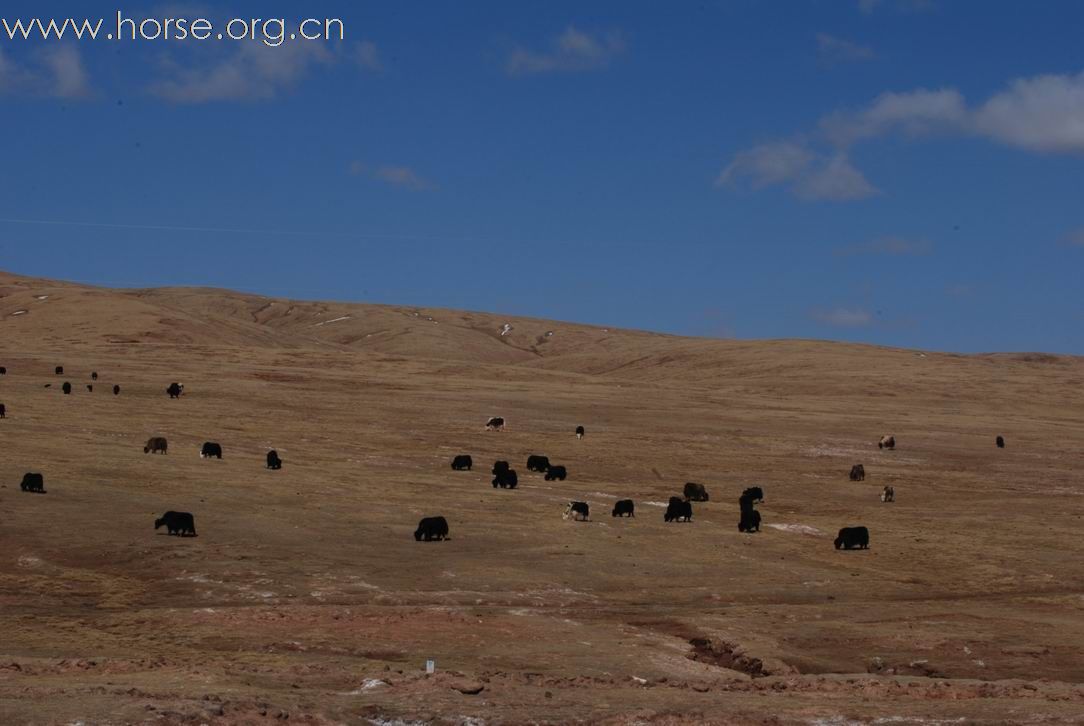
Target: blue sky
[{"x": 902, "y": 172}]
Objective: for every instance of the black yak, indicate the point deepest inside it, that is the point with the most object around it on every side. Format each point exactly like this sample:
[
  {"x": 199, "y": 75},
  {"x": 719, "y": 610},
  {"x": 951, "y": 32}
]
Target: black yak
[
  {"x": 853, "y": 538},
  {"x": 888, "y": 495},
  {"x": 462, "y": 462},
  {"x": 750, "y": 521},
  {"x": 273, "y": 460},
  {"x": 578, "y": 511},
  {"x": 887, "y": 442},
  {"x": 210, "y": 449},
  {"x": 752, "y": 494},
  {"x": 3, "y": 371},
  {"x": 90, "y": 388},
  {"x": 506, "y": 479},
  {"x": 695, "y": 492},
  {"x": 156, "y": 445},
  {"x": 1000, "y": 442},
  {"x": 59, "y": 370},
  {"x": 579, "y": 432},
  {"x": 67, "y": 388},
  {"x": 858, "y": 473},
  {"x": 116, "y": 390},
  {"x": 94, "y": 375},
  {"x": 556, "y": 472},
  {"x": 3, "y": 411},
  {"x": 678, "y": 510},
  {"x": 431, "y": 528},
  {"x": 33, "y": 482},
  {"x": 495, "y": 423},
  {"x": 181, "y": 524},
  {"x": 624, "y": 508},
  {"x": 175, "y": 390},
  {"x": 536, "y": 462}
]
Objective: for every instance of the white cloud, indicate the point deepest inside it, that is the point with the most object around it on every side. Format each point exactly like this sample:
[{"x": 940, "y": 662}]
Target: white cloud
[
  {"x": 891, "y": 246},
  {"x": 69, "y": 77},
  {"x": 842, "y": 317},
  {"x": 1043, "y": 113},
  {"x": 839, "y": 50},
  {"x": 808, "y": 174},
  {"x": 960, "y": 290},
  {"x": 572, "y": 50},
  {"x": 867, "y": 7},
  {"x": 256, "y": 71},
  {"x": 836, "y": 180},
  {"x": 913, "y": 113},
  {"x": 769, "y": 164},
  {"x": 367, "y": 55},
  {"x": 253, "y": 72},
  {"x": 1075, "y": 238},
  {"x": 56, "y": 71},
  {"x": 1040, "y": 114},
  {"x": 398, "y": 176}
]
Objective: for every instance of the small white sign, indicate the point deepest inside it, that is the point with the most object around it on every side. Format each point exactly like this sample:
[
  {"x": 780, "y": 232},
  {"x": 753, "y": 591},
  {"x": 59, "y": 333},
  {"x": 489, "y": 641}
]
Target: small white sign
[{"x": 430, "y": 666}]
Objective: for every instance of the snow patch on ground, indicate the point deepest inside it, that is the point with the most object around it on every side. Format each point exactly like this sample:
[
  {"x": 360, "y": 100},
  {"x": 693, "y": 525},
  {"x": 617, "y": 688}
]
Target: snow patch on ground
[
  {"x": 657, "y": 504},
  {"x": 367, "y": 685},
  {"x": 797, "y": 528}
]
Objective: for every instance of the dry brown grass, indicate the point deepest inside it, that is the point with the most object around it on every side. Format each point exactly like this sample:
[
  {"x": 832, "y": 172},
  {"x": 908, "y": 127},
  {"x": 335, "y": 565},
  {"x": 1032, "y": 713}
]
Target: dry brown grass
[{"x": 306, "y": 584}]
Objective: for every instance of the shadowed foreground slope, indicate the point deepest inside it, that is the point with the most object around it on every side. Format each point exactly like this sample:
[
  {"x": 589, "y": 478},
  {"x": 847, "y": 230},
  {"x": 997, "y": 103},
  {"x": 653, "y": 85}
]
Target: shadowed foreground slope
[{"x": 305, "y": 593}]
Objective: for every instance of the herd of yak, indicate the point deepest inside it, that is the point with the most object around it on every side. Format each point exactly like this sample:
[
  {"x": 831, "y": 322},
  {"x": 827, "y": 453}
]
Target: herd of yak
[{"x": 679, "y": 509}]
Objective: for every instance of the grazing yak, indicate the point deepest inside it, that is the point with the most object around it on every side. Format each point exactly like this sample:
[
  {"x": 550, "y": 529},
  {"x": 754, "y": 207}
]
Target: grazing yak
[
  {"x": 750, "y": 521},
  {"x": 858, "y": 473},
  {"x": 853, "y": 538},
  {"x": 499, "y": 466},
  {"x": 1000, "y": 442},
  {"x": 59, "y": 370},
  {"x": 182, "y": 524},
  {"x": 678, "y": 510},
  {"x": 579, "y": 432},
  {"x": 94, "y": 375},
  {"x": 506, "y": 479},
  {"x": 695, "y": 492},
  {"x": 67, "y": 388},
  {"x": 175, "y": 390},
  {"x": 624, "y": 508},
  {"x": 580, "y": 511},
  {"x": 750, "y": 517},
  {"x": 3, "y": 411},
  {"x": 462, "y": 462},
  {"x": 273, "y": 460},
  {"x": 116, "y": 390},
  {"x": 538, "y": 463},
  {"x": 752, "y": 494},
  {"x": 33, "y": 482},
  {"x": 887, "y": 442},
  {"x": 210, "y": 449},
  {"x": 556, "y": 472},
  {"x": 888, "y": 495},
  {"x": 431, "y": 528},
  {"x": 90, "y": 388},
  {"x": 3, "y": 371},
  {"x": 495, "y": 423},
  {"x": 156, "y": 445}
]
